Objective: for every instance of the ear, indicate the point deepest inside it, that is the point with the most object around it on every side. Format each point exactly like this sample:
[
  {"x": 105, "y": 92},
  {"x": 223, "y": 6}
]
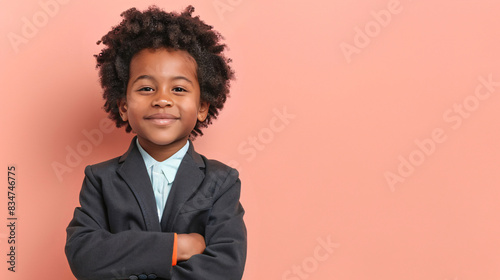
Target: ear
[
  {"x": 123, "y": 108},
  {"x": 203, "y": 110}
]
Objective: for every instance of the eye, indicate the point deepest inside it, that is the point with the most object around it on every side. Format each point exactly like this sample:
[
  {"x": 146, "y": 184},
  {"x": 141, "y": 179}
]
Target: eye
[
  {"x": 178, "y": 89},
  {"x": 146, "y": 89}
]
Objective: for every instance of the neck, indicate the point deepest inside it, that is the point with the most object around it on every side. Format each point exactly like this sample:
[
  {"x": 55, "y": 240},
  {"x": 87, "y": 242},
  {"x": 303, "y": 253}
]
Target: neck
[{"x": 161, "y": 152}]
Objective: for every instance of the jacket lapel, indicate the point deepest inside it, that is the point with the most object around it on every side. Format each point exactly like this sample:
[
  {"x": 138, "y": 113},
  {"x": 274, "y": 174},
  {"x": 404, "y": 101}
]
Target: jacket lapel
[
  {"x": 187, "y": 180},
  {"x": 134, "y": 172}
]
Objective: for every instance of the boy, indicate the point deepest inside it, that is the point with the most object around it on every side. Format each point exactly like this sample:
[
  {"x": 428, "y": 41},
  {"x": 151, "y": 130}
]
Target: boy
[{"x": 161, "y": 210}]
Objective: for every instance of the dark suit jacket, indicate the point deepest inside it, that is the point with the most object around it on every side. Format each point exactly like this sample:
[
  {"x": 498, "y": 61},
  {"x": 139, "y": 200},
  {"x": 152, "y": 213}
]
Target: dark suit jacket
[{"x": 116, "y": 233}]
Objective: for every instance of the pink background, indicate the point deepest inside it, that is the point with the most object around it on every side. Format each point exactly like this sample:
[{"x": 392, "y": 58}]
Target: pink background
[{"x": 364, "y": 90}]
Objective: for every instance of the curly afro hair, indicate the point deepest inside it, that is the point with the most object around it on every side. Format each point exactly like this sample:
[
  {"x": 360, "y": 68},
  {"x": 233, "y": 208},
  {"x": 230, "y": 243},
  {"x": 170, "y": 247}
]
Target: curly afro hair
[{"x": 154, "y": 29}]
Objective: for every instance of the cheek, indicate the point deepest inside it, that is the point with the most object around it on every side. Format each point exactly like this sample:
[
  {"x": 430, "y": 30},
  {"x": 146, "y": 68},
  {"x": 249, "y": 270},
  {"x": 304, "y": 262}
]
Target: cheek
[
  {"x": 134, "y": 110},
  {"x": 135, "y": 102},
  {"x": 190, "y": 109},
  {"x": 132, "y": 106}
]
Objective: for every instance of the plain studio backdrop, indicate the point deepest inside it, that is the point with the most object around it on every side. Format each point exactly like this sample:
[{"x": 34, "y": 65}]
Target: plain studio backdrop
[{"x": 365, "y": 132}]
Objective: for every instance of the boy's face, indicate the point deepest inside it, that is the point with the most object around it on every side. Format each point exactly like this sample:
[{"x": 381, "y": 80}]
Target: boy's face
[{"x": 163, "y": 98}]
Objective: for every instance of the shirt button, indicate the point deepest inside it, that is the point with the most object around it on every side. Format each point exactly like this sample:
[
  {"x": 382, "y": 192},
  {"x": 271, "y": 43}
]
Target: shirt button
[
  {"x": 152, "y": 276},
  {"x": 143, "y": 276}
]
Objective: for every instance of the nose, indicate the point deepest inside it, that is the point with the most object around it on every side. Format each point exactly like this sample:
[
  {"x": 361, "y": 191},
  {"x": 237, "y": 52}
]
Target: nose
[{"x": 162, "y": 99}]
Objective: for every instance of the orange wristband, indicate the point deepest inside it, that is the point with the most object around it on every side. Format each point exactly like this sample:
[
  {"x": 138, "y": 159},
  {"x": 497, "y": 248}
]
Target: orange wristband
[{"x": 174, "y": 254}]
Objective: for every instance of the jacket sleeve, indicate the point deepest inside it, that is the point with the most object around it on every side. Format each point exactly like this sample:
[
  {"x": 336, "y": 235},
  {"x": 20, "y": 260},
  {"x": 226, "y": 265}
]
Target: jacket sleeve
[
  {"x": 93, "y": 252},
  {"x": 225, "y": 236}
]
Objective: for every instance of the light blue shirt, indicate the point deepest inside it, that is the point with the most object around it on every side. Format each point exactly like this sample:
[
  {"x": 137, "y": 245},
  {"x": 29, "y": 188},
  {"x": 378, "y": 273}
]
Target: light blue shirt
[{"x": 162, "y": 174}]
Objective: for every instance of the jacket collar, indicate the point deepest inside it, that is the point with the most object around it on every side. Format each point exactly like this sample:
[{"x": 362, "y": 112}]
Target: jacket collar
[
  {"x": 194, "y": 155},
  {"x": 189, "y": 176}
]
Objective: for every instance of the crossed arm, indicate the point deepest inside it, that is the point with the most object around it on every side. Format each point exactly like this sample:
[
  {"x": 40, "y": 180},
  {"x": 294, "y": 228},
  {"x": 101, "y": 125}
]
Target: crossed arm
[{"x": 94, "y": 252}]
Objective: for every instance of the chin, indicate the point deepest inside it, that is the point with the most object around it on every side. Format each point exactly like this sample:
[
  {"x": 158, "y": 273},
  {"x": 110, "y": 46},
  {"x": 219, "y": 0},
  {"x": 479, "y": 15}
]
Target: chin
[{"x": 163, "y": 141}]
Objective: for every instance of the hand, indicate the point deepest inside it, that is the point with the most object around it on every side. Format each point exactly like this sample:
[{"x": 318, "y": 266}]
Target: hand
[{"x": 189, "y": 244}]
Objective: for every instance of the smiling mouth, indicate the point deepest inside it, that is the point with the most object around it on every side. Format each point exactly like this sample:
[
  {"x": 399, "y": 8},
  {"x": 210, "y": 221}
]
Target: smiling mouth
[{"x": 161, "y": 119}]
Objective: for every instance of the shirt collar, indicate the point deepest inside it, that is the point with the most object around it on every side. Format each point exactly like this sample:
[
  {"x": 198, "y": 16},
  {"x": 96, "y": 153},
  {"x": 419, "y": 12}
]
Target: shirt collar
[{"x": 168, "y": 166}]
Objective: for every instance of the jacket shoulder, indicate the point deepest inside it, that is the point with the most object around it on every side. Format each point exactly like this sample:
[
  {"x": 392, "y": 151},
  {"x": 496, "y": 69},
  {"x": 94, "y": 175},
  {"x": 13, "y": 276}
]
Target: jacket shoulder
[
  {"x": 104, "y": 167},
  {"x": 215, "y": 168}
]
